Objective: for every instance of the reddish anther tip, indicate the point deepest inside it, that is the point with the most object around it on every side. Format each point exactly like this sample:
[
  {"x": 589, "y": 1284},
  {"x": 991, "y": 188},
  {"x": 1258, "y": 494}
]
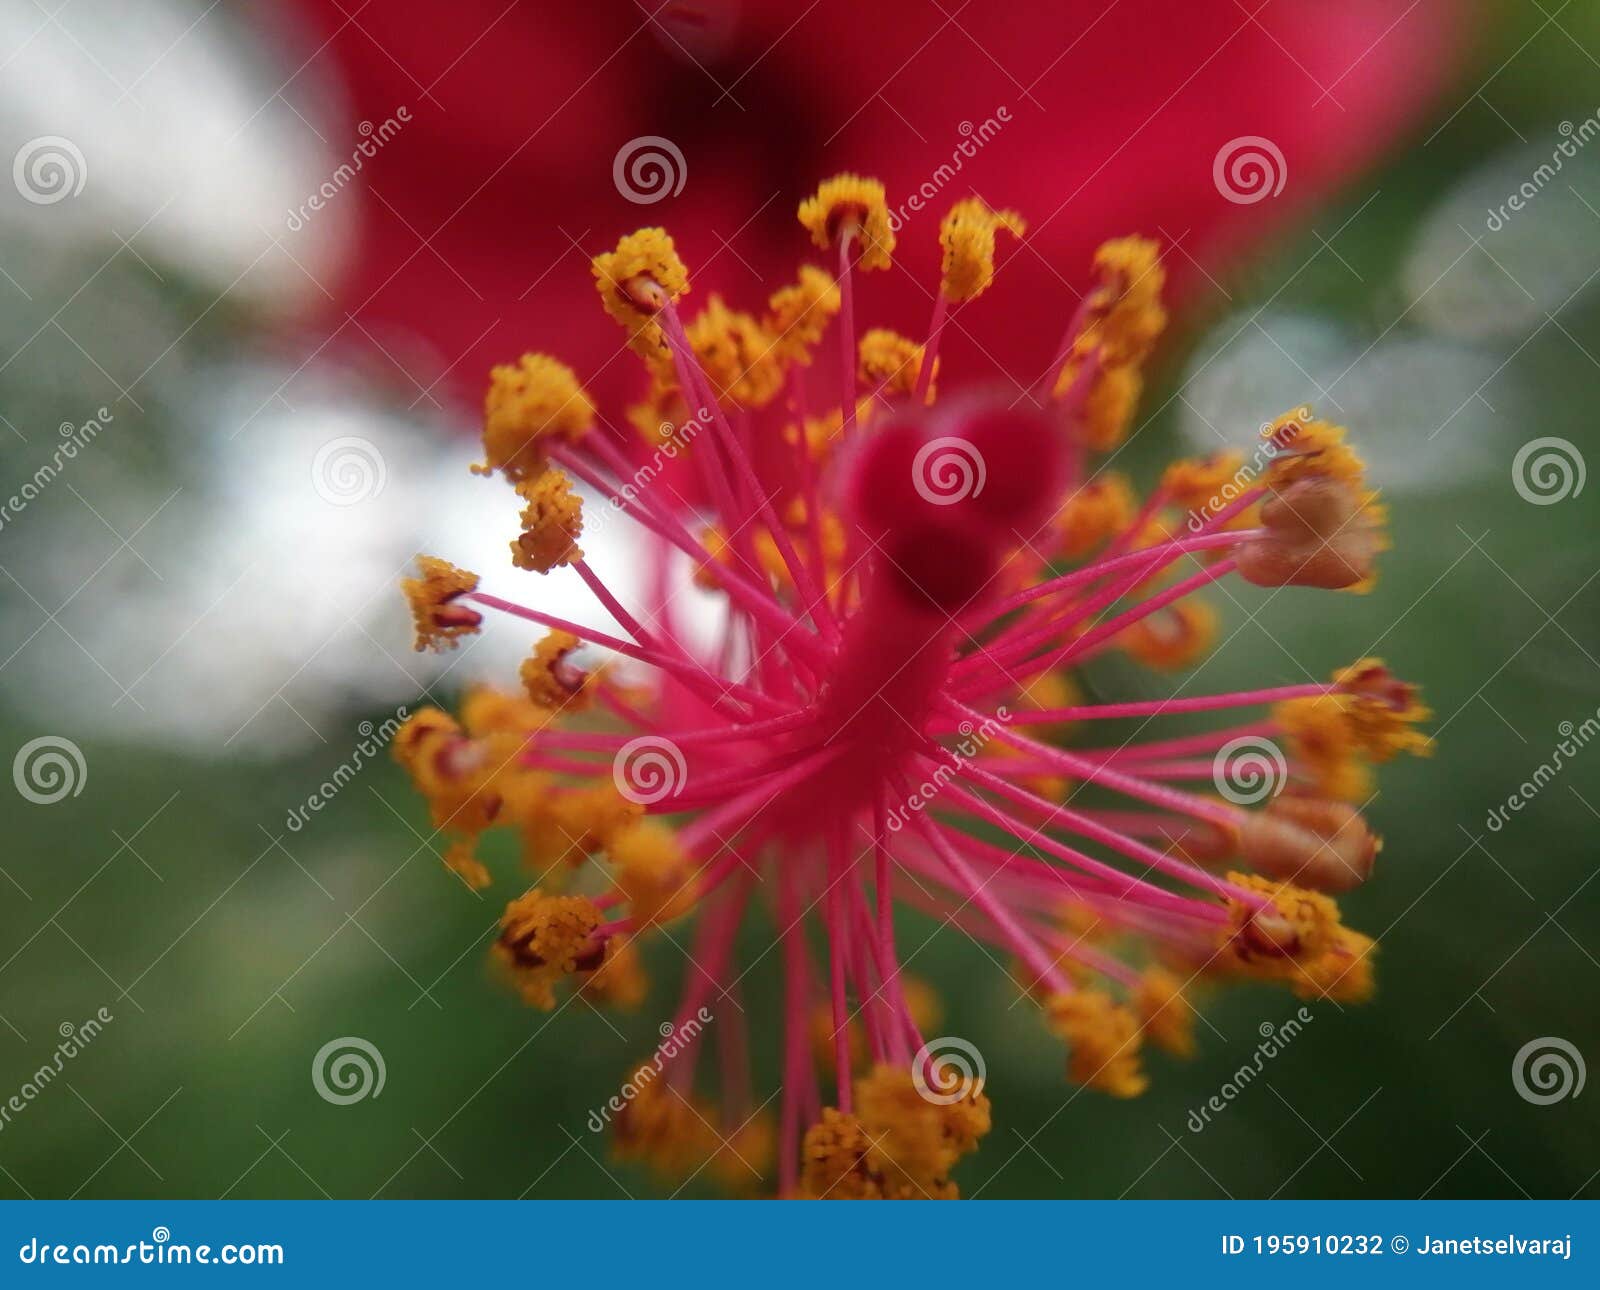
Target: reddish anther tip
[
  {"x": 946, "y": 492},
  {"x": 450, "y": 615}
]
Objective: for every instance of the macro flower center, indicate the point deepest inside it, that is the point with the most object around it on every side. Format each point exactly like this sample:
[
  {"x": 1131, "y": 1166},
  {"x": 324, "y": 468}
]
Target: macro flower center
[{"x": 889, "y": 719}]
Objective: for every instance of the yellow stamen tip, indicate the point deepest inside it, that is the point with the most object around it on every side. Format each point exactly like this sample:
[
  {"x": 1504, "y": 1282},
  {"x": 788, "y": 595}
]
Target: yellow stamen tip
[{"x": 850, "y": 205}]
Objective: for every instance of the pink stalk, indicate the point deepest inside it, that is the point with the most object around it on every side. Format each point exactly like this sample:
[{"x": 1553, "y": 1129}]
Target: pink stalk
[
  {"x": 1084, "y": 646},
  {"x": 1034, "y": 630},
  {"x": 689, "y": 371},
  {"x": 707, "y": 826},
  {"x": 1080, "y": 768},
  {"x": 1021, "y": 943},
  {"x": 883, "y": 894},
  {"x": 847, "y": 334},
  {"x": 1075, "y": 325},
  {"x": 838, "y": 939},
  {"x": 930, "y": 351},
  {"x": 710, "y": 688},
  {"x": 1079, "y": 647},
  {"x": 797, "y": 1066},
  {"x": 1165, "y": 748},
  {"x": 751, "y": 596},
  {"x": 1189, "y": 874},
  {"x": 1093, "y": 572},
  {"x": 713, "y": 949},
  {"x": 1127, "y": 886},
  {"x": 1166, "y": 707}
]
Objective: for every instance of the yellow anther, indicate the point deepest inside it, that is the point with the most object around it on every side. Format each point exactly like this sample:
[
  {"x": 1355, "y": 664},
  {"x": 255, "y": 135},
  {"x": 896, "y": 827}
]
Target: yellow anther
[
  {"x": 1195, "y": 483},
  {"x": 651, "y": 870},
  {"x": 1126, "y": 301},
  {"x": 849, "y": 205},
  {"x": 1165, "y": 1015},
  {"x": 967, "y": 236},
  {"x": 440, "y": 622},
  {"x": 544, "y": 939},
  {"x": 530, "y": 403},
  {"x": 551, "y": 680},
  {"x": 635, "y": 280},
  {"x": 798, "y": 314},
  {"x": 552, "y": 522},
  {"x": 739, "y": 356},
  {"x": 1109, "y": 404},
  {"x": 1094, "y": 513},
  {"x": 1172, "y": 637},
  {"x": 886, "y": 358},
  {"x": 1103, "y": 1042},
  {"x": 1295, "y": 924}
]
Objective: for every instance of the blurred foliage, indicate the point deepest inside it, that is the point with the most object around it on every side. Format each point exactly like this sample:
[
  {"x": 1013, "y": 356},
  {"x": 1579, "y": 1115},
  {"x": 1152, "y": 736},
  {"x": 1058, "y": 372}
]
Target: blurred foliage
[{"x": 229, "y": 950}]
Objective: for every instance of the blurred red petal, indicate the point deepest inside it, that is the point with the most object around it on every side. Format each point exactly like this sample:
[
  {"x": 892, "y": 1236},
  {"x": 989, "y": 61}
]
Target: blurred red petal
[{"x": 476, "y": 222}]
